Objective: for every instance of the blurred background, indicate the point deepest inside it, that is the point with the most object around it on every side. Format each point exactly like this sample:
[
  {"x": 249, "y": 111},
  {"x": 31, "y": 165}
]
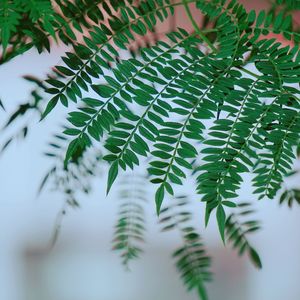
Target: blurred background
[{"x": 82, "y": 266}]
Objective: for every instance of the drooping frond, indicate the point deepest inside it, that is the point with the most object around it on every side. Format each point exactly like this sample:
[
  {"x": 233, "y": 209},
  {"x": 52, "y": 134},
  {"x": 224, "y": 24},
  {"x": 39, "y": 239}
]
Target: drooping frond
[
  {"x": 164, "y": 99},
  {"x": 233, "y": 141},
  {"x": 130, "y": 227},
  {"x": 191, "y": 259},
  {"x": 101, "y": 49},
  {"x": 70, "y": 181},
  {"x": 83, "y": 165},
  {"x": 32, "y": 107},
  {"x": 188, "y": 96},
  {"x": 278, "y": 161},
  {"x": 224, "y": 95},
  {"x": 136, "y": 85},
  {"x": 237, "y": 232},
  {"x": 290, "y": 195},
  {"x": 25, "y": 24}
]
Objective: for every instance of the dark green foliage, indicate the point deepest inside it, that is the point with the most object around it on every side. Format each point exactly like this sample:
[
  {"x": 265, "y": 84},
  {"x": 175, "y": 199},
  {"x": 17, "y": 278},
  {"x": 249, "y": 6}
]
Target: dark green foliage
[
  {"x": 180, "y": 98},
  {"x": 25, "y": 24},
  {"x": 101, "y": 50},
  {"x": 130, "y": 227},
  {"x": 177, "y": 92},
  {"x": 191, "y": 259},
  {"x": 158, "y": 105},
  {"x": 274, "y": 165}
]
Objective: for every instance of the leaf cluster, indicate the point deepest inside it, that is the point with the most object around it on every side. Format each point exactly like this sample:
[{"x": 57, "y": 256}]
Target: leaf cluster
[
  {"x": 35, "y": 23},
  {"x": 188, "y": 96},
  {"x": 158, "y": 105},
  {"x": 237, "y": 232},
  {"x": 130, "y": 226},
  {"x": 192, "y": 261}
]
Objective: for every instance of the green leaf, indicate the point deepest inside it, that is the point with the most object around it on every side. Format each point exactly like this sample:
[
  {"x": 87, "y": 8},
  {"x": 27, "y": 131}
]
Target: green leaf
[
  {"x": 221, "y": 219},
  {"x": 229, "y": 204},
  {"x": 50, "y": 106},
  {"x": 251, "y": 16},
  {"x": 72, "y": 131},
  {"x": 159, "y": 197},
  {"x": 255, "y": 258},
  {"x": 103, "y": 90},
  {"x": 202, "y": 292},
  {"x": 71, "y": 150},
  {"x": 112, "y": 175},
  {"x": 260, "y": 18}
]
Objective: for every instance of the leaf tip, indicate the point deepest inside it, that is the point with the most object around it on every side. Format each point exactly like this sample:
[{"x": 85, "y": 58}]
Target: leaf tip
[
  {"x": 159, "y": 197},
  {"x": 112, "y": 175},
  {"x": 221, "y": 219},
  {"x": 254, "y": 256}
]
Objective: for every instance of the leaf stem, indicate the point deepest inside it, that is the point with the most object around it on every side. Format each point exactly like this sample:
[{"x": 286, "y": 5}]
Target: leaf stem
[
  {"x": 249, "y": 72},
  {"x": 149, "y": 63},
  {"x": 152, "y": 103},
  {"x": 205, "y": 39},
  {"x": 196, "y": 27}
]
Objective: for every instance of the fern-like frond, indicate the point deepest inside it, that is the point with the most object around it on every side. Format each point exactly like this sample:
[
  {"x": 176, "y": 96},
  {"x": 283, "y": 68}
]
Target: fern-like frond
[
  {"x": 278, "y": 161},
  {"x": 200, "y": 107},
  {"x": 70, "y": 181},
  {"x": 9, "y": 20},
  {"x": 32, "y": 107},
  {"x": 265, "y": 23},
  {"x": 186, "y": 97},
  {"x": 237, "y": 232},
  {"x": 164, "y": 99},
  {"x": 193, "y": 262},
  {"x": 130, "y": 227},
  {"x": 101, "y": 49},
  {"x": 83, "y": 164},
  {"x": 225, "y": 94},
  {"x": 220, "y": 177},
  {"x": 40, "y": 21},
  {"x": 154, "y": 112},
  {"x": 136, "y": 85},
  {"x": 191, "y": 259},
  {"x": 230, "y": 149}
]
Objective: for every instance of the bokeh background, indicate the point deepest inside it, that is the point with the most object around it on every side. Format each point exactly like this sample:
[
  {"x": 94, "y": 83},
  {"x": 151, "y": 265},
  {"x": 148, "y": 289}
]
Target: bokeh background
[{"x": 82, "y": 266}]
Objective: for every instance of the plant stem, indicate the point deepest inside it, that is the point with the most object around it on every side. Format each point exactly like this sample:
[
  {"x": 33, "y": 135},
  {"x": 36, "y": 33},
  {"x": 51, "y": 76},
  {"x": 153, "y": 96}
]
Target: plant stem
[
  {"x": 196, "y": 27},
  {"x": 249, "y": 72},
  {"x": 205, "y": 39}
]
